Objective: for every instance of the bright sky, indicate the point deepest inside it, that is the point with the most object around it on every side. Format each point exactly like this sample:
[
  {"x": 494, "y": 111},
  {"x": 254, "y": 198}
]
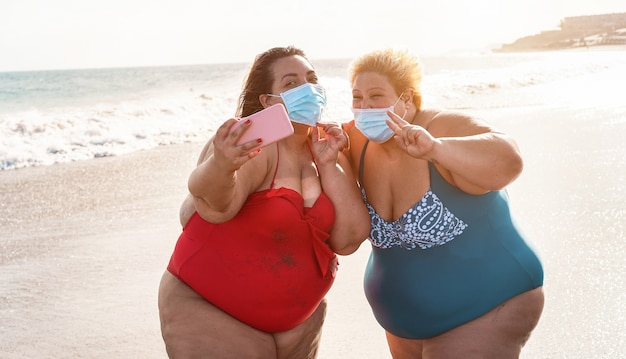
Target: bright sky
[{"x": 61, "y": 34}]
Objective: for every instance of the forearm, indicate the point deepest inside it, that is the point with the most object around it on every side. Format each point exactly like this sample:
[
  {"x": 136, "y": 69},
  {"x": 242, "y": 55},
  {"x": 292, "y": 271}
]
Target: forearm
[
  {"x": 352, "y": 221},
  {"x": 213, "y": 184},
  {"x": 490, "y": 161}
]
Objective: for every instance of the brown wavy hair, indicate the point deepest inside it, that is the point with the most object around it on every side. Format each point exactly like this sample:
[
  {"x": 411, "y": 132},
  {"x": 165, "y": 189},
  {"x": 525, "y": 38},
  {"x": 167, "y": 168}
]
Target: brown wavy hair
[{"x": 260, "y": 78}]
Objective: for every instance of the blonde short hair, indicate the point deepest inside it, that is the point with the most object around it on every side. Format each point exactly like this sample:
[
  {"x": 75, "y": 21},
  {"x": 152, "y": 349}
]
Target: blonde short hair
[{"x": 403, "y": 70}]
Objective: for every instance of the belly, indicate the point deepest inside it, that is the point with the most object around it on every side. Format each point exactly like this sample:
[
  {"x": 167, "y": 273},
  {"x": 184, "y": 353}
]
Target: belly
[
  {"x": 422, "y": 293},
  {"x": 267, "y": 277}
]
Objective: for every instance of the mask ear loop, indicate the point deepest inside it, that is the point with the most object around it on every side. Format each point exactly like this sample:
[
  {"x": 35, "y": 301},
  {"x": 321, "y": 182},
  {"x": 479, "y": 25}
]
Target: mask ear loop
[{"x": 395, "y": 103}]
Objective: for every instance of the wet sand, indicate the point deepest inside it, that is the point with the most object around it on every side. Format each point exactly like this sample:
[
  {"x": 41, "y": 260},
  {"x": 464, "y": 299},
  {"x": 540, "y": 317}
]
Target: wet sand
[{"x": 84, "y": 245}]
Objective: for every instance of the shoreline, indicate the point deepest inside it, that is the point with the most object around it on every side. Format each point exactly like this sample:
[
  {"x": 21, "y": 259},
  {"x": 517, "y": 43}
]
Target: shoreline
[{"x": 615, "y": 47}]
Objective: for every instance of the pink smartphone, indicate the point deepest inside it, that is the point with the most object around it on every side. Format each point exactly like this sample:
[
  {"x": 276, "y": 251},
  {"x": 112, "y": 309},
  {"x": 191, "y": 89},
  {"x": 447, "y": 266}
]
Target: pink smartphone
[{"x": 270, "y": 125}]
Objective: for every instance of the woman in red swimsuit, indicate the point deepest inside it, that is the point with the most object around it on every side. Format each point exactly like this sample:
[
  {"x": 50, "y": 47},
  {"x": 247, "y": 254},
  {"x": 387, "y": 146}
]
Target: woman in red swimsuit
[{"x": 250, "y": 271}]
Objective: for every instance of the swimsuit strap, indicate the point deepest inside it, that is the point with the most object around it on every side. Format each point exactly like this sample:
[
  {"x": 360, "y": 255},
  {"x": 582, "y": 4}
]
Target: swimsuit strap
[
  {"x": 361, "y": 162},
  {"x": 276, "y": 169}
]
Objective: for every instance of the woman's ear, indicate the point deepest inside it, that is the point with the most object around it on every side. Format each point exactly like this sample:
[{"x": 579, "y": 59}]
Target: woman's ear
[
  {"x": 264, "y": 100},
  {"x": 407, "y": 97}
]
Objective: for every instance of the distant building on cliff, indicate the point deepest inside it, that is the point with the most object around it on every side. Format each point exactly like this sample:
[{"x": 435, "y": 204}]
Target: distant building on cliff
[{"x": 575, "y": 31}]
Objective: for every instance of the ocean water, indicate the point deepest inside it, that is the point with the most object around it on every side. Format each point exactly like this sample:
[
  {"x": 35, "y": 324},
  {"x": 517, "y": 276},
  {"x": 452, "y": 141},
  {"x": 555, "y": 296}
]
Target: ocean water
[{"x": 49, "y": 117}]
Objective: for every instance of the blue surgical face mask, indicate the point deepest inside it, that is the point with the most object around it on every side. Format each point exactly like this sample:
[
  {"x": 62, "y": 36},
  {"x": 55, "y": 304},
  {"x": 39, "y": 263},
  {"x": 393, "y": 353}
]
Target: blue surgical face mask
[
  {"x": 304, "y": 103},
  {"x": 372, "y": 122}
]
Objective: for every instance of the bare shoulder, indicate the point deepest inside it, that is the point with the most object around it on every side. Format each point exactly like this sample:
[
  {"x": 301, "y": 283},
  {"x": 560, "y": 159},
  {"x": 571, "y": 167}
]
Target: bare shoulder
[
  {"x": 452, "y": 123},
  {"x": 357, "y": 141}
]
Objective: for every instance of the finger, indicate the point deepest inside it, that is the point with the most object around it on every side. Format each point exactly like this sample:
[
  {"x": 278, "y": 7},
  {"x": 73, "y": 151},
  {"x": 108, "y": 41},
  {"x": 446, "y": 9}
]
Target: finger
[
  {"x": 394, "y": 127},
  {"x": 328, "y": 128},
  {"x": 408, "y": 135},
  {"x": 253, "y": 154},
  {"x": 399, "y": 141},
  {"x": 230, "y": 131},
  {"x": 227, "y": 126},
  {"x": 413, "y": 134},
  {"x": 314, "y": 135},
  {"x": 252, "y": 145},
  {"x": 397, "y": 119},
  {"x": 249, "y": 153},
  {"x": 222, "y": 131},
  {"x": 347, "y": 145},
  {"x": 336, "y": 135},
  {"x": 332, "y": 129},
  {"x": 243, "y": 157},
  {"x": 238, "y": 128}
]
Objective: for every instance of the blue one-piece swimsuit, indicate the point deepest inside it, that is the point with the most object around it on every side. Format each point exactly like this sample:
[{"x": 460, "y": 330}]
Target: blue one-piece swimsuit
[{"x": 449, "y": 259}]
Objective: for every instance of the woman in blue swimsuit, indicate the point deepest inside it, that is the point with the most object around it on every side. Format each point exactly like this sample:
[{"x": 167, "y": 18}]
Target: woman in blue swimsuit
[{"x": 450, "y": 274}]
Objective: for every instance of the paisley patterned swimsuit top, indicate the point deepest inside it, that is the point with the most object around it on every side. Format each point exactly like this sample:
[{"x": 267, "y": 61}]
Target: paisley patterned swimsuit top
[{"x": 428, "y": 223}]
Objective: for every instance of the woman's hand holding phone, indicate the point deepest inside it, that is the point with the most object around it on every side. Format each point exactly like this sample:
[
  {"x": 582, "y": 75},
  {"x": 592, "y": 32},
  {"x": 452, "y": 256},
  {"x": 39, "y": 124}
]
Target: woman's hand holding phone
[{"x": 270, "y": 125}]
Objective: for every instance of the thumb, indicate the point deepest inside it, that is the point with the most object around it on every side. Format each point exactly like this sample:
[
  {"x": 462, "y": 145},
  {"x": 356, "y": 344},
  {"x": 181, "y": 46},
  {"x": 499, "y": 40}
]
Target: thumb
[
  {"x": 315, "y": 134},
  {"x": 346, "y": 126}
]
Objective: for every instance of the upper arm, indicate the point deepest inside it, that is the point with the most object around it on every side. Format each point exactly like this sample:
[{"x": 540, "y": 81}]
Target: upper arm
[
  {"x": 457, "y": 124},
  {"x": 489, "y": 160},
  {"x": 247, "y": 180},
  {"x": 206, "y": 152}
]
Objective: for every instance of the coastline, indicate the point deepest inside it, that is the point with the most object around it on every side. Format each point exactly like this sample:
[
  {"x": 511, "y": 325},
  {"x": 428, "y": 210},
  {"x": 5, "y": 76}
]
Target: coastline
[
  {"x": 573, "y": 32},
  {"x": 599, "y": 48}
]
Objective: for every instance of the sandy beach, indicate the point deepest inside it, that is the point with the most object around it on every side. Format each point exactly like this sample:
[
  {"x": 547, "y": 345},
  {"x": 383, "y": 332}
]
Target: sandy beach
[{"x": 84, "y": 245}]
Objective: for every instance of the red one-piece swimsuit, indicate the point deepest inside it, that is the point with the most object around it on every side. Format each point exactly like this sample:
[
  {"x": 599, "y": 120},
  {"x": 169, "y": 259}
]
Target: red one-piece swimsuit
[{"x": 269, "y": 266}]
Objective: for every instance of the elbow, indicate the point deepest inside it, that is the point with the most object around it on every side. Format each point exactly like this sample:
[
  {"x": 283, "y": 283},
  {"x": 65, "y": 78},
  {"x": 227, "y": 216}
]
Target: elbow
[
  {"x": 196, "y": 184},
  {"x": 347, "y": 250},
  {"x": 515, "y": 162},
  {"x": 211, "y": 214},
  {"x": 203, "y": 200},
  {"x": 351, "y": 241},
  {"x": 517, "y": 166},
  {"x": 514, "y": 165}
]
